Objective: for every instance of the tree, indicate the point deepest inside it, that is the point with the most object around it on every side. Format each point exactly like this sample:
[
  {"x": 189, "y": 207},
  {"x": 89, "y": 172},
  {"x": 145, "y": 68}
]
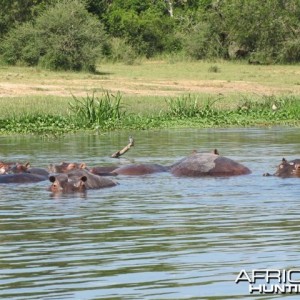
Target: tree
[
  {"x": 65, "y": 36},
  {"x": 16, "y": 12},
  {"x": 262, "y": 28},
  {"x": 146, "y": 27}
]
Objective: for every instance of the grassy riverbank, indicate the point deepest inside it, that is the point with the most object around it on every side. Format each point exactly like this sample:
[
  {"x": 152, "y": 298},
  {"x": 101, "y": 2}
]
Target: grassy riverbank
[{"x": 149, "y": 95}]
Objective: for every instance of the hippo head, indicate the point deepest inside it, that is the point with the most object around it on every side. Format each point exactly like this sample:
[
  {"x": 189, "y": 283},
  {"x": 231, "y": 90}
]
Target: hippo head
[
  {"x": 6, "y": 167},
  {"x": 3, "y": 169},
  {"x": 20, "y": 168},
  {"x": 65, "y": 167},
  {"x": 296, "y": 170},
  {"x": 63, "y": 184},
  {"x": 288, "y": 168}
]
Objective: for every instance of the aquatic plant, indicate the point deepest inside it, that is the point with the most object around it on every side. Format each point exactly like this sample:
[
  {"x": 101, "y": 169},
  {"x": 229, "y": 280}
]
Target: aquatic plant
[
  {"x": 92, "y": 111},
  {"x": 107, "y": 113},
  {"x": 36, "y": 123},
  {"x": 188, "y": 106}
]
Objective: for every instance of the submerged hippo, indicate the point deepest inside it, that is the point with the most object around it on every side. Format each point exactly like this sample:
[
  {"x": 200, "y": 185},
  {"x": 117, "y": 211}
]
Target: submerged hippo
[
  {"x": 78, "y": 181},
  {"x": 65, "y": 167},
  {"x": 287, "y": 169},
  {"x": 103, "y": 171},
  {"x": 63, "y": 184},
  {"x": 26, "y": 168},
  {"x": 208, "y": 164},
  {"x": 21, "y": 178},
  {"x": 139, "y": 169},
  {"x": 5, "y": 167}
]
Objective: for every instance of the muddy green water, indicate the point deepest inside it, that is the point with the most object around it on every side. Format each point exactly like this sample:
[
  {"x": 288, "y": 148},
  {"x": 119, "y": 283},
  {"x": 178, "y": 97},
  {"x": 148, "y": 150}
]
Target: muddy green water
[{"x": 155, "y": 236}]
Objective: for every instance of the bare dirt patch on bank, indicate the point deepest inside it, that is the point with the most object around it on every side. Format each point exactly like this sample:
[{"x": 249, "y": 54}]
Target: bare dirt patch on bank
[
  {"x": 138, "y": 87},
  {"x": 153, "y": 79}
]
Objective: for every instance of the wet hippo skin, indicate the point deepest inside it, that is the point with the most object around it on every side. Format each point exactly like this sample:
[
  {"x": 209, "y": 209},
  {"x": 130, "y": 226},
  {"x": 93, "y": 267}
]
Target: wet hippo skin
[{"x": 208, "y": 164}]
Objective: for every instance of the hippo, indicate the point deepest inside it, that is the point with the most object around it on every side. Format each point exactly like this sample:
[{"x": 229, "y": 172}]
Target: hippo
[
  {"x": 139, "y": 169},
  {"x": 63, "y": 184},
  {"x": 103, "y": 171},
  {"x": 93, "y": 181},
  {"x": 26, "y": 168},
  {"x": 21, "y": 178},
  {"x": 5, "y": 167},
  {"x": 207, "y": 164},
  {"x": 78, "y": 180},
  {"x": 65, "y": 167},
  {"x": 287, "y": 169}
]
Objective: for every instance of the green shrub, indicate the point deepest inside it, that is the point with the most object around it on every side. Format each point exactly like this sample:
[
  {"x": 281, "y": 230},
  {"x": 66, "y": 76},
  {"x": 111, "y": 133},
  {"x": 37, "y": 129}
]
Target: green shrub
[
  {"x": 290, "y": 51},
  {"x": 214, "y": 69},
  {"x": 93, "y": 111},
  {"x": 65, "y": 36},
  {"x": 20, "y": 45},
  {"x": 121, "y": 51},
  {"x": 203, "y": 42},
  {"x": 187, "y": 106}
]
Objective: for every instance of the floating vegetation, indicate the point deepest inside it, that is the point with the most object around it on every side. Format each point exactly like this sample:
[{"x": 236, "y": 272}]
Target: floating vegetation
[{"x": 107, "y": 113}]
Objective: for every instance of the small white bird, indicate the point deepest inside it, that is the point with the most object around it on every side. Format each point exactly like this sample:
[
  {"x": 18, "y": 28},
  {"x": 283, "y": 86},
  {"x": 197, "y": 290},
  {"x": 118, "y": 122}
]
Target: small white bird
[
  {"x": 274, "y": 107},
  {"x": 131, "y": 141}
]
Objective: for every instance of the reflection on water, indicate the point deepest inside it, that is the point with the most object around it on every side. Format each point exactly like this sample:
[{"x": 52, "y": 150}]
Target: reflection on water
[{"x": 154, "y": 237}]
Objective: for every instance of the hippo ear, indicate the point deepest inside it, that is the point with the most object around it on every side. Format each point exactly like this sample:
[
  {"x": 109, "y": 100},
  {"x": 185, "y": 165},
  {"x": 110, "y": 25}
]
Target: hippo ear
[
  {"x": 83, "y": 178},
  {"x": 82, "y": 166},
  {"x": 216, "y": 152},
  {"x": 52, "y": 178},
  {"x": 27, "y": 165},
  {"x": 284, "y": 160}
]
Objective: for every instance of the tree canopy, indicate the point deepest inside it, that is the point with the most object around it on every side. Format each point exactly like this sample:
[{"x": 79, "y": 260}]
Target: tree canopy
[{"x": 259, "y": 31}]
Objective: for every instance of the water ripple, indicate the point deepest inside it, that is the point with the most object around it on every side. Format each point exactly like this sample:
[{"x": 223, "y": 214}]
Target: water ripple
[{"x": 155, "y": 237}]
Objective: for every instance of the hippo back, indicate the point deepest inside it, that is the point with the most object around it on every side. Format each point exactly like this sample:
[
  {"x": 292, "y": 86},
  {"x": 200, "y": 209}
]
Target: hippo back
[
  {"x": 139, "y": 169},
  {"x": 208, "y": 164},
  {"x": 38, "y": 171},
  {"x": 21, "y": 178},
  {"x": 93, "y": 181},
  {"x": 103, "y": 171}
]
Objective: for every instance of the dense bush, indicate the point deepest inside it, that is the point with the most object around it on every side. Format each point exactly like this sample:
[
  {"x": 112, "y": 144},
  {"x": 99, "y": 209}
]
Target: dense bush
[
  {"x": 65, "y": 36},
  {"x": 20, "y": 45},
  {"x": 148, "y": 30},
  {"x": 120, "y": 50}
]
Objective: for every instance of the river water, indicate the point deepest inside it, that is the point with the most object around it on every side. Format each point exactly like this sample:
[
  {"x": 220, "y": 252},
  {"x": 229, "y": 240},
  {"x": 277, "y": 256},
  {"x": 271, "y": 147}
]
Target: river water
[{"x": 154, "y": 236}]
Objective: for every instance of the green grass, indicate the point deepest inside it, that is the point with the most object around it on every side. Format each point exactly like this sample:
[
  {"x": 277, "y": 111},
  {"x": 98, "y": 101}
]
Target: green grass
[
  {"x": 108, "y": 113},
  {"x": 14, "y": 107},
  {"x": 152, "y": 95},
  {"x": 283, "y": 76}
]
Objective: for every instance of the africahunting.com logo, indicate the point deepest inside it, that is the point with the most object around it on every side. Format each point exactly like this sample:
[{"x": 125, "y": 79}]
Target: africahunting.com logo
[{"x": 271, "y": 281}]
